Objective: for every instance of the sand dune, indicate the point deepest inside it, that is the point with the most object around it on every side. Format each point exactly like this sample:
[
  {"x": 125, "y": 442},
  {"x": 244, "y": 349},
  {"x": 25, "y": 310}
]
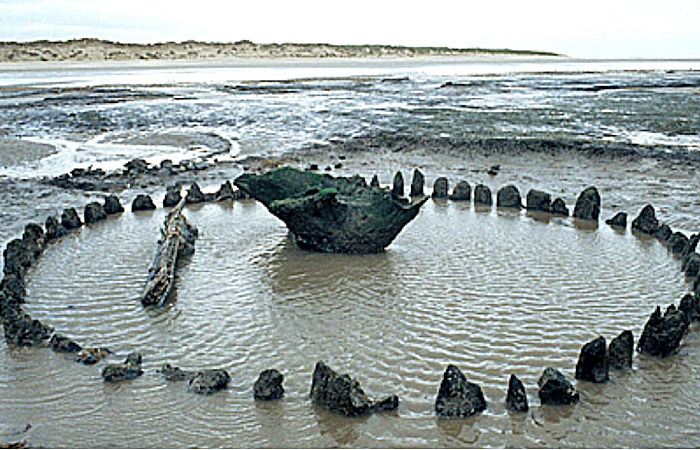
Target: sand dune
[{"x": 101, "y": 50}]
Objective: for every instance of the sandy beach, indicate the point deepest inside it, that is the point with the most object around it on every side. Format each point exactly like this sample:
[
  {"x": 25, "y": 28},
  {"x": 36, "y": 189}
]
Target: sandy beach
[
  {"x": 492, "y": 290},
  {"x": 349, "y": 225}
]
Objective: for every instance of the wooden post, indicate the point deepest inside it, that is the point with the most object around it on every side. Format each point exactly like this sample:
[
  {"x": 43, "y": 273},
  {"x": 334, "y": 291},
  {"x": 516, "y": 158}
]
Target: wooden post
[{"x": 177, "y": 235}]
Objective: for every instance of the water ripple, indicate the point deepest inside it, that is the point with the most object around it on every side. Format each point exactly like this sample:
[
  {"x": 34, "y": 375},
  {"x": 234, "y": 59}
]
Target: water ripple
[{"x": 493, "y": 293}]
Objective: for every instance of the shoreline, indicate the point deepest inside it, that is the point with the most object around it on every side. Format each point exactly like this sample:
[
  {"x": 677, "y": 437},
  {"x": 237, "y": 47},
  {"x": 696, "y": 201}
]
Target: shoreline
[
  {"x": 568, "y": 64},
  {"x": 271, "y": 61}
]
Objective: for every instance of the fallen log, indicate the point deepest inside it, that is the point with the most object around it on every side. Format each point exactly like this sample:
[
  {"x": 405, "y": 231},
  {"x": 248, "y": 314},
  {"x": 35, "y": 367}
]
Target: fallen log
[{"x": 177, "y": 239}]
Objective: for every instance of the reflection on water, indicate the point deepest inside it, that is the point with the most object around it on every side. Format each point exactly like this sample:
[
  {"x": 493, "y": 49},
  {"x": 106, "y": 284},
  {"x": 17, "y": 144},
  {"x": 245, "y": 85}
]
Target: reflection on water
[
  {"x": 344, "y": 433},
  {"x": 495, "y": 293}
]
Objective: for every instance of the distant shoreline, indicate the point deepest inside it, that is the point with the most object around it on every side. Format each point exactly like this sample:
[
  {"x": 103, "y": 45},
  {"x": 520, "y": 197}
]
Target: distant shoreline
[{"x": 103, "y": 50}]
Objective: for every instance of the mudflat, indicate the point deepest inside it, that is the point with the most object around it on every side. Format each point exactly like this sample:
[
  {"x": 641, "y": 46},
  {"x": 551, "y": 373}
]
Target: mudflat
[{"x": 17, "y": 151}]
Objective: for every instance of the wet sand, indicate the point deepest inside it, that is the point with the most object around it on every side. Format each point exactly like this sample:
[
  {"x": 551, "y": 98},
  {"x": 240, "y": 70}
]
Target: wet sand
[
  {"x": 494, "y": 292},
  {"x": 14, "y": 152}
]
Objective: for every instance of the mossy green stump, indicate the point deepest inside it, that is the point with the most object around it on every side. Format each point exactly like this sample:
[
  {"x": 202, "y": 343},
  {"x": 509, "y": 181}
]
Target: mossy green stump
[{"x": 331, "y": 214}]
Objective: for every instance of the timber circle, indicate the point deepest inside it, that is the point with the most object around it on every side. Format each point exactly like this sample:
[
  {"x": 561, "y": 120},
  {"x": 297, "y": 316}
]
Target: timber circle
[{"x": 323, "y": 213}]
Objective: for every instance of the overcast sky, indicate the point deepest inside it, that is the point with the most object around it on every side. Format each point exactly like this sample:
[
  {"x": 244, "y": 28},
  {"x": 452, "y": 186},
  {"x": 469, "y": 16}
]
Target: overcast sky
[{"x": 591, "y": 28}]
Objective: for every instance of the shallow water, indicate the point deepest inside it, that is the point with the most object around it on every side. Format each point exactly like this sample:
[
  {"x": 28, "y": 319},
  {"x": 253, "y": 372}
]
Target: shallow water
[{"x": 494, "y": 292}]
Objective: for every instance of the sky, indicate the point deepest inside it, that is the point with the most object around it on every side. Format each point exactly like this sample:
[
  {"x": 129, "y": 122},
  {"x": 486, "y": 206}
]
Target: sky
[{"x": 587, "y": 29}]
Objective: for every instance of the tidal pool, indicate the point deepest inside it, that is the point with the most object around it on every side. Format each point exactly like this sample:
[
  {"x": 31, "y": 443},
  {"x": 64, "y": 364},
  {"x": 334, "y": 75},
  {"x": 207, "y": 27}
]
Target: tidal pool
[{"x": 493, "y": 292}]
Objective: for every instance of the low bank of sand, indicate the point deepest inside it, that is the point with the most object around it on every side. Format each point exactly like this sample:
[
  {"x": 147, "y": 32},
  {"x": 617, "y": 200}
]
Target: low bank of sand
[
  {"x": 17, "y": 151},
  {"x": 100, "y": 50}
]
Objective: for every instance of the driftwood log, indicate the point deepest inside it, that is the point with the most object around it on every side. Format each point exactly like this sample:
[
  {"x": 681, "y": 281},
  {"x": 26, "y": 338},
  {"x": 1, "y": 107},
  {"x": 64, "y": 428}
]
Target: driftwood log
[{"x": 177, "y": 239}]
